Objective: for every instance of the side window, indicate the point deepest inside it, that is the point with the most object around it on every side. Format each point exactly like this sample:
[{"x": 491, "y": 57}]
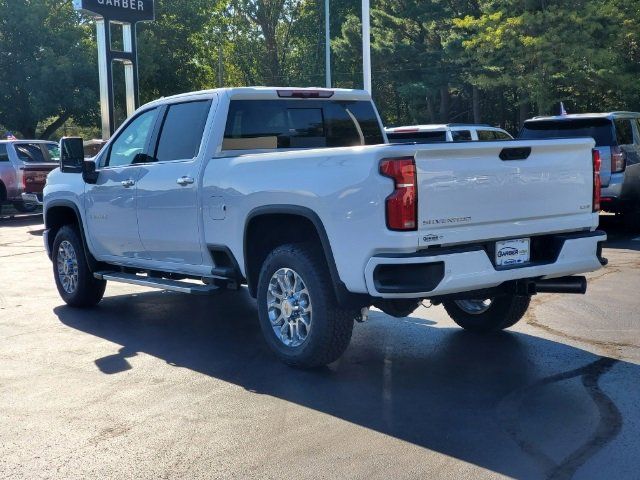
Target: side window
[
  {"x": 30, "y": 152},
  {"x": 502, "y": 135},
  {"x": 182, "y": 131},
  {"x": 486, "y": 135},
  {"x": 4, "y": 155},
  {"x": 132, "y": 140},
  {"x": 461, "y": 135},
  {"x": 624, "y": 132}
]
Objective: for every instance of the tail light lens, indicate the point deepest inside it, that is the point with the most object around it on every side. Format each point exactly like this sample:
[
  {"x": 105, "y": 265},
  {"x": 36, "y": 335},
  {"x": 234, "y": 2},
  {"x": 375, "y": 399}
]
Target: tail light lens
[
  {"x": 596, "y": 180},
  {"x": 618, "y": 160},
  {"x": 402, "y": 204}
]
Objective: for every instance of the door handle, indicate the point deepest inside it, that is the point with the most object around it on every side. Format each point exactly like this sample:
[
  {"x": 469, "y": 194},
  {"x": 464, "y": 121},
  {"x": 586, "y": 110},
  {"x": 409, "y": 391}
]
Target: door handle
[
  {"x": 128, "y": 183},
  {"x": 184, "y": 181}
]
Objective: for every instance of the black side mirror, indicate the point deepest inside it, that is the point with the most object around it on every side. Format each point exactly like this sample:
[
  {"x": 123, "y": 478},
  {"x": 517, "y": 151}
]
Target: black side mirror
[{"x": 72, "y": 155}]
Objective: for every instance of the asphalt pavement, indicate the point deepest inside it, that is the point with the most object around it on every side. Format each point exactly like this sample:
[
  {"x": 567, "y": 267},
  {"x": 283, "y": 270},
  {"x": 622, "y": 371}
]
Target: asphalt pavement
[{"x": 154, "y": 384}]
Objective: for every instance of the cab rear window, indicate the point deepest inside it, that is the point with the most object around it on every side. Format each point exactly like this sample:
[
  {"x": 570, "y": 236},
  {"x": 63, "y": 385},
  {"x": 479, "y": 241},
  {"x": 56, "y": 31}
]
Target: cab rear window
[
  {"x": 600, "y": 129},
  {"x": 35, "y": 153},
  {"x": 281, "y": 124}
]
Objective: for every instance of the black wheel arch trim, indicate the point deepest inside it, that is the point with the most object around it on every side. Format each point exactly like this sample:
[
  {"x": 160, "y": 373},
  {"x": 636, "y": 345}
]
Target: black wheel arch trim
[
  {"x": 342, "y": 294},
  {"x": 91, "y": 261}
]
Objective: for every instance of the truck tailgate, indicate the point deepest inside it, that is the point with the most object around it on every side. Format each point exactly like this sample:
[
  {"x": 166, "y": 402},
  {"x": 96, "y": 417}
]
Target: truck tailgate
[
  {"x": 467, "y": 192},
  {"x": 35, "y": 176}
]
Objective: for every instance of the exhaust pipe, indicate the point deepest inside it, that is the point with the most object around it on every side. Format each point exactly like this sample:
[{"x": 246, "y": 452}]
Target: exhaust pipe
[{"x": 576, "y": 285}]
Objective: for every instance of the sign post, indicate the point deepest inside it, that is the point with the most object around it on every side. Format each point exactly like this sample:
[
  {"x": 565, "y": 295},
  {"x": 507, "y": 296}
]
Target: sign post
[{"x": 127, "y": 13}]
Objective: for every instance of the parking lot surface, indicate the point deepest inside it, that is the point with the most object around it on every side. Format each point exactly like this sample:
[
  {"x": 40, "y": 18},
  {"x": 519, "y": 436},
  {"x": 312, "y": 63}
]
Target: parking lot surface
[{"x": 158, "y": 385}]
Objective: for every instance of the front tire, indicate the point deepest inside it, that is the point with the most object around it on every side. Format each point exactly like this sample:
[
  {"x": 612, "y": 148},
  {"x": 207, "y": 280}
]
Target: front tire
[
  {"x": 300, "y": 317},
  {"x": 75, "y": 281},
  {"x": 488, "y": 315}
]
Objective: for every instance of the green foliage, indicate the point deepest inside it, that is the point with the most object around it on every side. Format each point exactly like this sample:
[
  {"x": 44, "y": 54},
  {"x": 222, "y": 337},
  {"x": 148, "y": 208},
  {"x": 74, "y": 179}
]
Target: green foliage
[
  {"x": 496, "y": 61},
  {"x": 47, "y": 67}
]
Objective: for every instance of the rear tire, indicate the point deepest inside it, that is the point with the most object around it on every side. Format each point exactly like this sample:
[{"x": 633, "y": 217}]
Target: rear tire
[
  {"x": 25, "y": 207},
  {"x": 631, "y": 221},
  {"x": 75, "y": 281},
  {"x": 300, "y": 317},
  {"x": 502, "y": 312}
]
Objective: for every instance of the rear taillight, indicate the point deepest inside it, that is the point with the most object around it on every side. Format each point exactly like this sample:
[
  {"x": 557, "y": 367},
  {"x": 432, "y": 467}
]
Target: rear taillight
[
  {"x": 618, "y": 160},
  {"x": 402, "y": 204},
  {"x": 596, "y": 180}
]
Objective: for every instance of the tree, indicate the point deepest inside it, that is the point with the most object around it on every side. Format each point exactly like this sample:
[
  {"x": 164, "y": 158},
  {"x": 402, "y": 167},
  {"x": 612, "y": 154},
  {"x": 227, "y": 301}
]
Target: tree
[
  {"x": 269, "y": 24},
  {"x": 175, "y": 51},
  {"x": 47, "y": 67}
]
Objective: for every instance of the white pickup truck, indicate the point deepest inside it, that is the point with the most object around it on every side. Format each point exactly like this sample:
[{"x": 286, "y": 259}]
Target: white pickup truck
[{"x": 295, "y": 193}]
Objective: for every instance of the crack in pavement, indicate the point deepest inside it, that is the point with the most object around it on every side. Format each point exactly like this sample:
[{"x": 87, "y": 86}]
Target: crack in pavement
[{"x": 609, "y": 424}]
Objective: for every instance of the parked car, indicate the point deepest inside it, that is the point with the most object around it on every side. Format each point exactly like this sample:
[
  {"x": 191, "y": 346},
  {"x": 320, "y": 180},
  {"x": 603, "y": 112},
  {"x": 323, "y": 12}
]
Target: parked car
[
  {"x": 452, "y": 132},
  {"x": 617, "y": 137},
  {"x": 294, "y": 193},
  {"x": 24, "y": 166}
]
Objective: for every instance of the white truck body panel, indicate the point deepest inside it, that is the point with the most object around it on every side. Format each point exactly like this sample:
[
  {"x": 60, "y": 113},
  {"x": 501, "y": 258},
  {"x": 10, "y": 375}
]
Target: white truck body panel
[{"x": 158, "y": 225}]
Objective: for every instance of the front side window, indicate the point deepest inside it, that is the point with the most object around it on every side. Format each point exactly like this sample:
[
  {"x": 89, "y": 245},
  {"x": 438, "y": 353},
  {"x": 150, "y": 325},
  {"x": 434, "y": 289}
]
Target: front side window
[
  {"x": 502, "y": 135},
  {"x": 461, "y": 135},
  {"x": 486, "y": 135},
  {"x": 182, "y": 131},
  {"x": 53, "y": 151},
  {"x": 280, "y": 124},
  {"x": 132, "y": 140}
]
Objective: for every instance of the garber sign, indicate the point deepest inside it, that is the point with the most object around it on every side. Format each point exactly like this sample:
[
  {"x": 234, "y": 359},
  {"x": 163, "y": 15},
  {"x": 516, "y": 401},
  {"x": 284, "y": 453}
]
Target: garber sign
[{"x": 129, "y": 11}]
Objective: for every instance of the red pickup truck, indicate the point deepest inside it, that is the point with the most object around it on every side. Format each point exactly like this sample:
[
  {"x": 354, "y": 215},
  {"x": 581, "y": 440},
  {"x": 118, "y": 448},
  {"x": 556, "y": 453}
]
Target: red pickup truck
[{"x": 24, "y": 166}]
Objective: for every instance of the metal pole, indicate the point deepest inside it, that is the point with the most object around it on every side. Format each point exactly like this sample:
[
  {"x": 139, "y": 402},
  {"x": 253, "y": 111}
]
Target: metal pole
[
  {"x": 129, "y": 80},
  {"x": 220, "y": 66},
  {"x": 327, "y": 39},
  {"x": 103, "y": 69},
  {"x": 366, "y": 45}
]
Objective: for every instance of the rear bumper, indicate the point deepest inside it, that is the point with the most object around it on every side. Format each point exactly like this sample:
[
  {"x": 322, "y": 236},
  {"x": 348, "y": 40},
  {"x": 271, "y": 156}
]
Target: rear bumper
[
  {"x": 32, "y": 198},
  {"x": 447, "y": 271}
]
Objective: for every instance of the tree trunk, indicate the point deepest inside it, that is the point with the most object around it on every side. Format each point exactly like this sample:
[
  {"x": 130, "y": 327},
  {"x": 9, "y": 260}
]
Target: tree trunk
[
  {"x": 444, "y": 103},
  {"x": 477, "y": 118},
  {"x": 55, "y": 125},
  {"x": 28, "y": 132},
  {"x": 430, "y": 111},
  {"x": 525, "y": 108}
]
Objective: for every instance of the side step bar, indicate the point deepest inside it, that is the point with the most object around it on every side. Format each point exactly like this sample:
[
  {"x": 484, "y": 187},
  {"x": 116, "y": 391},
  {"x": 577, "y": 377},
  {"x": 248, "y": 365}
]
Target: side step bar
[{"x": 161, "y": 283}]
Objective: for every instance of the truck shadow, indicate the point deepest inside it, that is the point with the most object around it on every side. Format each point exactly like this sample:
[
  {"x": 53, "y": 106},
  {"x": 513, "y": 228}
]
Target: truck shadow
[
  {"x": 20, "y": 220},
  {"x": 620, "y": 237},
  {"x": 512, "y": 403}
]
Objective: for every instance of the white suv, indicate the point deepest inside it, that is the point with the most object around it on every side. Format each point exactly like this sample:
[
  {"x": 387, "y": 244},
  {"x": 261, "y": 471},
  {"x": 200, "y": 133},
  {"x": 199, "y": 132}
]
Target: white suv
[{"x": 452, "y": 132}]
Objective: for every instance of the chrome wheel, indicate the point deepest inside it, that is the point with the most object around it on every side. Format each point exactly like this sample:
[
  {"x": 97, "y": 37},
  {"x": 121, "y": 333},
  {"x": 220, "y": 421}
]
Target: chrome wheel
[
  {"x": 475, "y": 307},
  {"x": 289, "y": 307},
  {"x": 67, "y": 262}
]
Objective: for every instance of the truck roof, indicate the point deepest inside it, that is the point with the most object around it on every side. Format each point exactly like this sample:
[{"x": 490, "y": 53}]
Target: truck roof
[
  {"x": 25, "y": 140},
  {"x": 272, "y": 93},
  {"x": 571, "y": 116},
  {"x": 440, "y": 127}
]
